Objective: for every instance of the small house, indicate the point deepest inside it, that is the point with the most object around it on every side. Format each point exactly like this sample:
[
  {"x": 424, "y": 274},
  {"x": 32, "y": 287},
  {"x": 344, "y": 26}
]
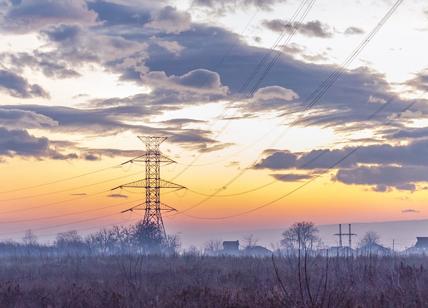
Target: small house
[
  {"x": 257, "y": 251},
  {"x": 231, "y": 247}
]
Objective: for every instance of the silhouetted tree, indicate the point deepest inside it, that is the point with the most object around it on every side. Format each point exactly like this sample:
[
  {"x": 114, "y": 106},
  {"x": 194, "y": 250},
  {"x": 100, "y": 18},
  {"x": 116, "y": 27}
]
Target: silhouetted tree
[
  {"x": 148, "y": 237},
  {"x": 370, "y": 238},
  {"x": 102, "y": 241},
  {"x": 301, "y": 235},
  {"x": 250, "y": 240},
  {"x": 29, "y": 239},
  {"x": 212, "y": 247},
  {"x": 171, "y": 244},
  {"x": 70, "y": 242}
]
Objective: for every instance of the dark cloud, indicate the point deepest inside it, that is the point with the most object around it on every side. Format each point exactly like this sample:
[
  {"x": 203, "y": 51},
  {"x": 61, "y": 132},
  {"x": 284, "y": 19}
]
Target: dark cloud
[
  {"x": 199, "y": 80},
  {"x": 412, "y": 154},
  {"x": 311, "y": 28},
  {"x": 17, "y": 86},
  {"x": 126, "y": 40},
  {"x": 297, "y": 50},
  {"x": 180, "y": 122},
  {"x": 108, "y": 121},
  {"x": 63, "y": 33},
  {"x": 94, "y": 154},
  {"x": 290, "y": 177},
  {"x": 169, "y": 93},
  {"x": 401, "y": 178},
  {"x": 91, "y": 157},
  {"x": 192, "y": 76},
  {"x": 118, "y": 196},
  {"x": 101, "y": 120},
  {"x": 17, "y": 142},
  {"x": 171, "y": 46},
  {"x": 420, "y": 81},
  {"x": 278, "y": 161},
  {"x": 222, "y": 6},
  {"x": 112, "y": 14},
  {"x": 381, "y": 166},
  {"x": 410, "y": 133},
  {"x": 16, "y": 118},
  {"x": 191, "y": 138},
  {"x": 41, "y": 62},
  {"x": 198, "y": 140},
  {"x": 170, "y": 20},
  {"x": 32, "y": 15},
  {"x": 348, "y": 102},
  {"x": 292, "y": 49},
  {"x": 353, "y": 30},
  {"x": 405, "y": 211},
  {"x": 78, "y": 46}
]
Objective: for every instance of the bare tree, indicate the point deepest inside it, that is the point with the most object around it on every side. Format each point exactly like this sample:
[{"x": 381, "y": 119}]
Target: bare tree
[
  {"x": 301, "y": 235},
  {"x": 212, "y": 247},
  {"x": 192, "y": 251},
  {"x": 370, "y": 238},
  {"x": 172, "y": 244},
  {"x": 70, "y": 242},
  {"x": 29, "y": 239},
  {"x": 250, "y": 240},
  {"x": 103, "y": 240},
  {"x": 148, "y": 237}
]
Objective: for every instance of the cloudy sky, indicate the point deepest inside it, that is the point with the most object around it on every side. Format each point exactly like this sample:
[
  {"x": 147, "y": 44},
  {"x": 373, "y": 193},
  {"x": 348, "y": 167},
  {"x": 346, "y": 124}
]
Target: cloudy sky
[{"x": 80, "y": 80}]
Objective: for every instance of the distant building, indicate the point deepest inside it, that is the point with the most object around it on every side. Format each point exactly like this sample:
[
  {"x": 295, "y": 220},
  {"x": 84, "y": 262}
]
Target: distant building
[
  {"x": 422, "y": 242},
  {"x": 257, "y": 251},
  {"x": 231, "y": 247},
  {"x": 420, "y": 248},
  {"x": 374, "y": 249}
]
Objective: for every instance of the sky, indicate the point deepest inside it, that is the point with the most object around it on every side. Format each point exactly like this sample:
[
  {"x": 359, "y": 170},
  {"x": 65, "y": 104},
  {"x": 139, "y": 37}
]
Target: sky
[{"x": 229, "y": 83}]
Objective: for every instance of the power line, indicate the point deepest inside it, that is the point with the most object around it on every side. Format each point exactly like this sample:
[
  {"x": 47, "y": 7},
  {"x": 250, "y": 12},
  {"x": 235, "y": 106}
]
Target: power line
[
  {"x": 68, "y": 178},
  {"x": 63, "y": 225},
  {"x": 257, "y": 188},
  {"x": 232, "y": 47},
  {"x": 55, "y": 203},
  {"x": 322, "y": 90},
  {"x": 59, "y": 181},
  {"x": 115, "y": 166},
  {"x": 294, "y": 30},
  {"x": 252, "y": 75},
  {"x": 68, "y": 189},
  {"x": 332, "y": 166},
  {"x": 290, "y": 24},
  {"x": 67, "y": 214},
  {"x": 128, "y": 220},
  {"x": 230, "y": 216}
]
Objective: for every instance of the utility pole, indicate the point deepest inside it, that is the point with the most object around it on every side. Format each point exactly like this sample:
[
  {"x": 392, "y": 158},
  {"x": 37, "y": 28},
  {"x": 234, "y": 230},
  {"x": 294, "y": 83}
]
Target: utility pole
[
  {"x": 152, "y": 184},
  {"x": 349, "y": 234},
  {"x": 340, "y": 234}
]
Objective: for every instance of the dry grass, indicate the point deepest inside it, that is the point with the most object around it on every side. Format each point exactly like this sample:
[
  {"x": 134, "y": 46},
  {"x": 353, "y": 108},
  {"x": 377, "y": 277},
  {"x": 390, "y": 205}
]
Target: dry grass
[{"x": 193, "y": 281}]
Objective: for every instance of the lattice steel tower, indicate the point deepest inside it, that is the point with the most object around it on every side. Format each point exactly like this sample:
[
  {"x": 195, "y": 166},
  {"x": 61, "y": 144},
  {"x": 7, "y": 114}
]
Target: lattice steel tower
[{"x": 152, "y": 183}]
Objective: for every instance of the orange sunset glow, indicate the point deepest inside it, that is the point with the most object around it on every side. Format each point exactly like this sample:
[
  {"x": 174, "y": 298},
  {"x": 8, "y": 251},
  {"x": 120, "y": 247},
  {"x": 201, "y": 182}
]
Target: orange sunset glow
[{"x": 267, "y": 123}]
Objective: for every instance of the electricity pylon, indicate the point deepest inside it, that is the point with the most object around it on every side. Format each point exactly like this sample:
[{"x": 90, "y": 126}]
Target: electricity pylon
[{"x": 152, "y": 184}]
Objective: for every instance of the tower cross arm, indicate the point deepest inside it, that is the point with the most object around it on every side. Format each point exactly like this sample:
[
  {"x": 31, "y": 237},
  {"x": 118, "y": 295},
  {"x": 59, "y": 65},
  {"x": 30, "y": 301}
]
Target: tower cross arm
[
  {"x": 143, "y": 206},
  {"x": 145, "y": 157},
  {"x": 143, "y": 184}
]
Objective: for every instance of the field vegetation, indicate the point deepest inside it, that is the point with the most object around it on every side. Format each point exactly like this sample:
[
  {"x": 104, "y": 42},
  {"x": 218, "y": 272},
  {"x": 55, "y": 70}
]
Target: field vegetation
[{"x": 135, "y": 267}]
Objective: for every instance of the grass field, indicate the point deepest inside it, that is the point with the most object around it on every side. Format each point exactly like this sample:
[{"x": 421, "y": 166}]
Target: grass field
[{"x": 200, "y": 281}]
